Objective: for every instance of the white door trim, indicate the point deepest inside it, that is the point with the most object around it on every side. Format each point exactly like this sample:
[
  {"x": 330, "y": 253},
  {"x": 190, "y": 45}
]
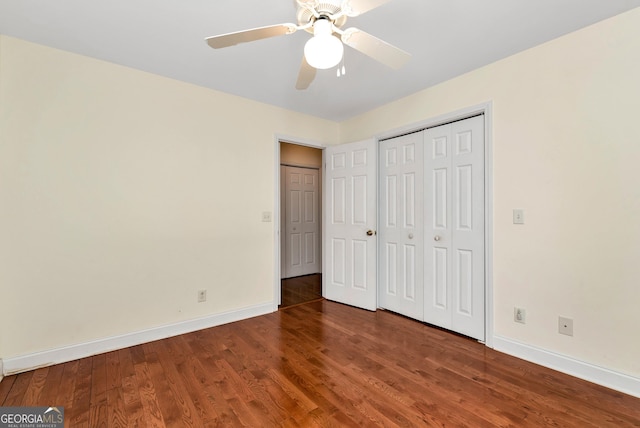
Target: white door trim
[
  {"x": 277, "y": 139},
  {"x": 487, "y": 110}
]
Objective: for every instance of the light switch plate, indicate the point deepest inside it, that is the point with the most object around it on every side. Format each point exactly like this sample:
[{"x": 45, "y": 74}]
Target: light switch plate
[{"x": 518, "y": 216}]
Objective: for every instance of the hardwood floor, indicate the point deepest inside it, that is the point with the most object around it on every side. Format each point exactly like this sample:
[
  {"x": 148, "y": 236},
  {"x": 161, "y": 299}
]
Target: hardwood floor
[
  {"x": 301, "y": 289},
  {"x": 317, "y": 364}
]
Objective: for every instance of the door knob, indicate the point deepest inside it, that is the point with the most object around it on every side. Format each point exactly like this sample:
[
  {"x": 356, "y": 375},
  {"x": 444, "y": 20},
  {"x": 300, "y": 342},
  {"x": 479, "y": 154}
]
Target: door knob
[
  {"x": 436, "y": 238},
  {"x": 411, "y": 236},
  {"x": 370, "y": 232}
]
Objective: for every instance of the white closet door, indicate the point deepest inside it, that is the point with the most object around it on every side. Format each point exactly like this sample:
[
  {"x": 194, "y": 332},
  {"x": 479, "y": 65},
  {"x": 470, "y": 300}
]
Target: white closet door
[
  {"x": 401, "y": 232},
  {"x": 468, "y": 285},
  {"x": 437, "y": 263},
  {"x": 349, "y": 271},
  {"x": 454, "y": 227},
  {"x": 302, "y": 223}
]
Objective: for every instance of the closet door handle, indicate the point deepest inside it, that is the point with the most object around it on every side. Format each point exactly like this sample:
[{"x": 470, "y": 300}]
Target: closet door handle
[{"x": 436, "y": 238}]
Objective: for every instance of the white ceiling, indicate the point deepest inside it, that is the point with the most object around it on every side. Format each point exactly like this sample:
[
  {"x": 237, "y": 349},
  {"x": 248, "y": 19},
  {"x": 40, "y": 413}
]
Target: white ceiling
[{"x": 445, "y": 37}]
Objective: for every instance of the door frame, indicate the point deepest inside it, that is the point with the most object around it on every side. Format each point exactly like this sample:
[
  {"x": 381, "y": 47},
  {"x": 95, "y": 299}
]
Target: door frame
[
  {"x": 277, "y": 247},
  {"x": 485, "y": 109}
]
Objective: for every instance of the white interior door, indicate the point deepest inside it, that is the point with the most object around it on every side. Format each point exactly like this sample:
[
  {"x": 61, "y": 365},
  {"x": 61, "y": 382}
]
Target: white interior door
[
  {"x": 454, "y": 230},
  {"x": 401, "y": 231},
  {"x": 302, "y": 223},
  {"x": 349, "y": 272}
]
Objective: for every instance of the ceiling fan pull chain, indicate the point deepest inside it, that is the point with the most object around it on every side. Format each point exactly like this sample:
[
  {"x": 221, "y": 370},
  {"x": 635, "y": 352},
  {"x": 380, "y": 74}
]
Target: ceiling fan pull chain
[{"x": 341, "y": 71}]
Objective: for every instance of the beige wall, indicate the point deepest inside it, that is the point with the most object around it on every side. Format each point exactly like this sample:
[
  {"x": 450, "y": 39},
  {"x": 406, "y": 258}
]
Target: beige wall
[
  {"x": 566, "y": 149},
  {"x": 123, "y": 193}
]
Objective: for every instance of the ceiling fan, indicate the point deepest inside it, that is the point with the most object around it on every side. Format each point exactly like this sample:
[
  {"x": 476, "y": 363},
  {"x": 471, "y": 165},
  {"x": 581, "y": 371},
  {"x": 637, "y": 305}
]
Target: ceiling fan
[{"x": 324, "y": 19}]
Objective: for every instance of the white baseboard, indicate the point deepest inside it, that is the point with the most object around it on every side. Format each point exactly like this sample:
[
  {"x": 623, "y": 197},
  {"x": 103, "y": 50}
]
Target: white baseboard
[
  {"x": 69, "y": 353},
  {"x": 1, "y": 370},
  {"x": 596, "y": 374}
]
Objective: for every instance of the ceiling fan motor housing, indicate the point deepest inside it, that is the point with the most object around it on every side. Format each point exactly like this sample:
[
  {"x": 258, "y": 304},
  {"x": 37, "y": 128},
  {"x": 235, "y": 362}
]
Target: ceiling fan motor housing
[{"x": 324, "y": 8}]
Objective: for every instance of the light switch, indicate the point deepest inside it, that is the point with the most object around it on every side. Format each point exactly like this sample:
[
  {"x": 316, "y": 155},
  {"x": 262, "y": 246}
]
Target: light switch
[
  {"x": 518, "y": 216},
  {"x": 266, "y": 216}
]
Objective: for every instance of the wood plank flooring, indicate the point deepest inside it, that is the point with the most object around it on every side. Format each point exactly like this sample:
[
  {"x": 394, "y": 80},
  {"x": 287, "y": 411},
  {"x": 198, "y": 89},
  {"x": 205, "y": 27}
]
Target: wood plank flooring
[
  {"x": 300, "y": 289},
  {"x": 317, "y": 364}
]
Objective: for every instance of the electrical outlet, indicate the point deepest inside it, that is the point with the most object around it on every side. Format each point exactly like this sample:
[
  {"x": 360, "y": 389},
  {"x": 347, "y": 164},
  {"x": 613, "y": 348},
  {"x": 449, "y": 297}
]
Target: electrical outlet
[
  {"x": 266, "y": 216},
  {"x": 520, "y": 315},
  {"x": 202, "y": 296},
  {"x": 565, "y": 326},
  {"x": 518, "y": 216}
]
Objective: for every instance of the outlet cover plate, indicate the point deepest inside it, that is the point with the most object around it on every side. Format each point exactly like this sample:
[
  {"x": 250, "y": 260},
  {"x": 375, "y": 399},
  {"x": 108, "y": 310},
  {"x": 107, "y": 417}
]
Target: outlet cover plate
[
  {"x": 565, "y": 326},
  {"x": 518, "y": 216},
  {"x": 520, "y": 315}
]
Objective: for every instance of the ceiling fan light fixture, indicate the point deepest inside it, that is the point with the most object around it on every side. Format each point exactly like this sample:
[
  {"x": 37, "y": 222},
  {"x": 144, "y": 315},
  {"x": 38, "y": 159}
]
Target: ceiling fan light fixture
[
  {"x": 323, "y": 50},
  {"x": 325, "y": 19}
]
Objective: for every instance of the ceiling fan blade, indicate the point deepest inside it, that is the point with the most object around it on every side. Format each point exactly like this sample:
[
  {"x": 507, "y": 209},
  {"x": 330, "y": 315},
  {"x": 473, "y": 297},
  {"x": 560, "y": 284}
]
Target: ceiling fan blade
[
  {"x": 305, "y": 75},
  {"x": 358, "y": 7},
  {"x": 375, "y": 48},
  {"x": 230, "y": 39}
]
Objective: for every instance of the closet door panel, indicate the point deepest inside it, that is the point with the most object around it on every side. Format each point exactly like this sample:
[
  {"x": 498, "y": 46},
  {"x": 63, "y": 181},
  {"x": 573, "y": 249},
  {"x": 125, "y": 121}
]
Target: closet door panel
[{"x": 401, "y": 225}]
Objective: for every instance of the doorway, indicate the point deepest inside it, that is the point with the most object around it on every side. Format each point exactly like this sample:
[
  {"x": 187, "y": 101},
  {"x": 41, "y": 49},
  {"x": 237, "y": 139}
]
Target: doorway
[{"x": 300, "y": 224}]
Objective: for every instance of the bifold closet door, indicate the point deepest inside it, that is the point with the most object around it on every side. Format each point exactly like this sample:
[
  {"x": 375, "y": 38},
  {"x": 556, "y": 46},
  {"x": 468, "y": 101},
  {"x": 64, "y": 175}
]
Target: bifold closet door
[
  {"x": 401, "y": 231},
  {"x": 454, "y": 227}
]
